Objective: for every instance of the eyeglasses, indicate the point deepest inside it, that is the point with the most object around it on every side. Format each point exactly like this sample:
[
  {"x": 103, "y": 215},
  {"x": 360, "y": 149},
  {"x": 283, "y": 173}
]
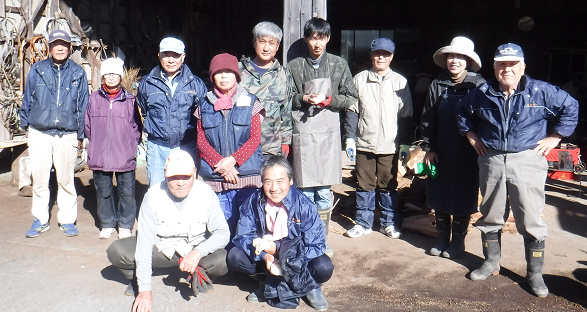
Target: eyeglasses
[{"x": 111, "y": 75}]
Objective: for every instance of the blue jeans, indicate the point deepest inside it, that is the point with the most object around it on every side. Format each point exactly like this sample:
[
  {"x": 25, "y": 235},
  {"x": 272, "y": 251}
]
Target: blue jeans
[
  {"x": 109, "y": 214},
  {"x": 319, "y": 195},
  {"x": 230, "y": 202},
  {"x": 388, "y": 202},
  {"x": 157, "y": 157}
]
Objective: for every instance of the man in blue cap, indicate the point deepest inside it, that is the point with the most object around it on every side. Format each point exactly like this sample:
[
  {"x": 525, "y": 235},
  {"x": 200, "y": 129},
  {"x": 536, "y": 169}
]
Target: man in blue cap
[
  {"x": 508, "y": 121},
  {"x": 52, "y": 113},
  {"x": 168, "y": 96},
  {"x": 383, "y": 116}
]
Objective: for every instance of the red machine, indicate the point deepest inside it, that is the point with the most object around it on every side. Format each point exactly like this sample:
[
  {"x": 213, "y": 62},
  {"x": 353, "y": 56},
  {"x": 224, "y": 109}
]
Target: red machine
[{"x": 564, "y": 163}]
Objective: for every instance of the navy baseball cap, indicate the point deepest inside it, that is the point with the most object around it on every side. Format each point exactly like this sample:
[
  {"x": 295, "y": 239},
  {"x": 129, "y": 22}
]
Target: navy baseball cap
[
  {"x": 59, "y": 34},
  {"x": 383, "y": 44},
  {"x": 509, "y": 52}
]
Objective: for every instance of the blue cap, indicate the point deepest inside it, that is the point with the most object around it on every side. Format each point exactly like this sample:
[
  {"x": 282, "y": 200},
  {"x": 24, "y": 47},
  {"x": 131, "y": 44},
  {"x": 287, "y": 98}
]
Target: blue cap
[
  {"x": 383, "y": 44},
  {"x": 509, "y": 52},
  {"x": 59, "y": 34}
]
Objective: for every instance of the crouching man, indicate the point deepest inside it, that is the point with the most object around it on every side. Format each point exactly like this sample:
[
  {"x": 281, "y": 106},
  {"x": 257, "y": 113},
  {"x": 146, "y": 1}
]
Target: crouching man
[
  {"x": 281, "y": 227},
  {"x": 180, "y": 218}
]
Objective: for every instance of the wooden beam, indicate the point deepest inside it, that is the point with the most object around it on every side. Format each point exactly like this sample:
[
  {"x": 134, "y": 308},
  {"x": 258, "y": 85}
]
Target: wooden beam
[
  {"x": 52, "y": 7},
  {"x": 319, "y": 8},
  {"x": 2, "y": 8}
]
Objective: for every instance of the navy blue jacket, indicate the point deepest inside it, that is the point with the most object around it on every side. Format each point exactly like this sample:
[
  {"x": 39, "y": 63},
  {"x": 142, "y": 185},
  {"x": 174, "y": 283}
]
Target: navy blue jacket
[
  {"x": 55, "y": 98},
  {"x": 227, "y": 131},
  {"x": 303, "y": 220},
  {"x": 517, "y": 124},
  {"x": 169, "y": 120}
]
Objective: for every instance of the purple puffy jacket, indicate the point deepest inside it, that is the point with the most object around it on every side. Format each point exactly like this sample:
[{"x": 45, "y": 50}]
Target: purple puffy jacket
[{"x": 113, "y": 126}]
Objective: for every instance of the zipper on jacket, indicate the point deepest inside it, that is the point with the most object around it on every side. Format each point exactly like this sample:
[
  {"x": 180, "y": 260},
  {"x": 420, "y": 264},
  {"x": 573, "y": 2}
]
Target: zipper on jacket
[
  {"x": 58, "y": 88},
  {"x": 507, "y": 123}
]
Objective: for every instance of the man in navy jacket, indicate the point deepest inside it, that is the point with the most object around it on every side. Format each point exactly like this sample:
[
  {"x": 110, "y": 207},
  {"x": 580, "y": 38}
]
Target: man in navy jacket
[
  {"x": 168, "y": 97},
  {"x": 52, "y": 113},
  {"x": 507, "y": 121},
  {"x": 280, "y": 229}
]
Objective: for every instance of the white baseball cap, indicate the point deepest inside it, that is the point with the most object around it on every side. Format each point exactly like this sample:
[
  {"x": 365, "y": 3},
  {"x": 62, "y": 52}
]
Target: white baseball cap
[{"x": 179, "y": 163}]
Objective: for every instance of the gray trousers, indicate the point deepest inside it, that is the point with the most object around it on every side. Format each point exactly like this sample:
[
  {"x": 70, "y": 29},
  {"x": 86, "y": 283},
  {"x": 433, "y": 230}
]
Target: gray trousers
[
  {"x": 521, "y": 176},
  {"x": 121, "y": 254}
]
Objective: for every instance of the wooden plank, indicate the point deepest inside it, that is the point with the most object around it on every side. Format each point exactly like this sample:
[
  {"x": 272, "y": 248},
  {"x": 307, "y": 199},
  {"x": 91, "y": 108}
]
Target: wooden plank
[
  {"x": 2, "y": 8},
  {"x": 52, "y": 8},
  {"x": 291, "y": 28},
  {"x": 319, "y": 8},
  {"x": 12, "y": 143}
]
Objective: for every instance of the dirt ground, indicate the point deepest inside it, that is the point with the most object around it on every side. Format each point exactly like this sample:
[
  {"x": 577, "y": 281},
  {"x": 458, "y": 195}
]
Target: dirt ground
[{"x": 372, "y": 273}]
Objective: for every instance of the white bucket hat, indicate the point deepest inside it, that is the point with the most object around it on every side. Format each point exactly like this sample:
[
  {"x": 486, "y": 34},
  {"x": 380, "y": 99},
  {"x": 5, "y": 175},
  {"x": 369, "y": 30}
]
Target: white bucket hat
[
  {"x": 459, "y": 45},
  {"x": 112, "y": 66}
]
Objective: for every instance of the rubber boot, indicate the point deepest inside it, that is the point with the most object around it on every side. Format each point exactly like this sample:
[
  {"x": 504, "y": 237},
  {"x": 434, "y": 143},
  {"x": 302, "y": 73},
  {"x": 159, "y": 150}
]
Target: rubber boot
[
  {"x": 317, "y": 300},
  {"x": 534, "y": 264},
  {"x": 325, "y": 216},
  {"x": 492, "y": 253},
  {"x": 443, "y": 228},
  {"x": 460, "y": 225}
]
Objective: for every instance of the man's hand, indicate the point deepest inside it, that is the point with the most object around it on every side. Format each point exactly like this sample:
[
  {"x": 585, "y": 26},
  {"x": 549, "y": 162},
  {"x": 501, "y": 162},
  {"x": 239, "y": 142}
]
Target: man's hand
[
  {"x": 476, "y": 143},
  {"x": 231, "y": 176},
  {"x": 190, "y": 261},
  {"x": 430, "y": 157},
  {"x": 80, "y": 144},
  {"x": 269, "y": 259},
  {"x": 351, "y": 148},
  {"x": 313, "y": 99},
  {"x": 224, "y": 165},
  {"x": 143, "y": 302},
  {"x": 547, "y": 144}
]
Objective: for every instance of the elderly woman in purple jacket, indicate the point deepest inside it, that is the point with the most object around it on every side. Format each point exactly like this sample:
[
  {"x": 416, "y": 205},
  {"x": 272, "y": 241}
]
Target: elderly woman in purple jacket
[{"x": 113, "y": 126}]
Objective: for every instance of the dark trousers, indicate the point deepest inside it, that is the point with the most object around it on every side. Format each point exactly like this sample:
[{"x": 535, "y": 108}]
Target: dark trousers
[
  {"x": 320, "y": 268},
  {"x": 121, "y": 254},
  {"x": 110, "y": 215}
]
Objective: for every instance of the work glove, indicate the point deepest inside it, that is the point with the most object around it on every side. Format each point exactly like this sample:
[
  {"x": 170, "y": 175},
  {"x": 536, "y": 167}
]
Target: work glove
[
  {"x": 351, "y": 149},
  {"x": 326, "y": 102},
  {"x": 260, "y": 244},
  {"x": 275, "y": 269},
  {"x": 285, "y": 150},
  {"x": 404, "y": 153},
  {"x": 199, "y": 280}
]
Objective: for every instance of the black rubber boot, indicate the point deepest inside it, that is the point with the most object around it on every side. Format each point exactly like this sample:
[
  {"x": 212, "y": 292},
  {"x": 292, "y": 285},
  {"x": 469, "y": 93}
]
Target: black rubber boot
[
  {"x": 325, "y": 216},
  {"x": 460, "y": 225},
  {"x": 492, "y": 253},
  {"x": 534, "y": 264},
  {"x": 443, "y": 228}
]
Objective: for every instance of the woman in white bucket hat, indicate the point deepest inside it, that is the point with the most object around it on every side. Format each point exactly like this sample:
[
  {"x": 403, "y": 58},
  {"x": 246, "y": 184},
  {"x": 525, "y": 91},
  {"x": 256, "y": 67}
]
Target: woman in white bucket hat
[{"x": 454, "y": 190}]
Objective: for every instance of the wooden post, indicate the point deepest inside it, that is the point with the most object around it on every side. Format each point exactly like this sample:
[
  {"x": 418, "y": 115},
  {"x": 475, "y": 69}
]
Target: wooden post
[
  {"x": 52, "y": 7},
  {"x": 2, "y": 8},
  {"x": 295, "y": 15}
]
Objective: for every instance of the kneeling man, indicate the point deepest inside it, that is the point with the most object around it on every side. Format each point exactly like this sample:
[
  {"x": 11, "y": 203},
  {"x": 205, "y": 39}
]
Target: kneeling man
[
  {"x": 281, "y": 227},
  {"x": 180, "y": 218}
]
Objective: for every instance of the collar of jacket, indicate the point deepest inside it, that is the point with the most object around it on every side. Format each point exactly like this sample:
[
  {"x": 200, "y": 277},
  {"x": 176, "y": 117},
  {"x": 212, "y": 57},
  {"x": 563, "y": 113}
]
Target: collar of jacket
[
  {"x": 183, "y": 77},
  {"x": 373, "y": 75},
  {"x": 323, "y": 59},
  {"x": 287, "y": 201},
  {"x": 121, "y": 96},
  {"x": 240, "y": 90},
  {"x": 470, "y": 80},
  {"x": 495, "y": 90},
  {"x": 246, "y": 61},
  {"x": 63, "y": 66}
]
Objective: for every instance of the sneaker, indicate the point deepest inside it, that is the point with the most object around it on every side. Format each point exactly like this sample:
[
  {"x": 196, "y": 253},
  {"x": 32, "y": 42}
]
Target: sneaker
[
  {"x": 357, "y": 231},
  {"x": 124, "y": 233},
  {"x": 391, "y": 231},
  {"x": 69, "y": 229},
  {"x": 106, "y": 233},
  {"x": 37, "y": 228}
]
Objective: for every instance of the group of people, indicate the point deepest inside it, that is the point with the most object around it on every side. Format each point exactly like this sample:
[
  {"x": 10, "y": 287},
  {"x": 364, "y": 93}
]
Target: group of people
[{"x": 252, "y": 211}]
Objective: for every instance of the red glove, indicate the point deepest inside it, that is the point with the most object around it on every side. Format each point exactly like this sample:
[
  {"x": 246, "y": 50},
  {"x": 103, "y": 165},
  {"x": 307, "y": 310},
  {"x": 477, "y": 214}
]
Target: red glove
[
  {"x": 325, "y": 102},
  {"x": 285, "y": 150}
]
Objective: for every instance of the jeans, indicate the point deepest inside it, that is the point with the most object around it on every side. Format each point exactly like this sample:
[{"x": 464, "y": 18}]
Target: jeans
[
  {"x": 319, "y": 195},
  {"x": 230, "y": 202},
  {"x": 157, "y": 158},
  {"x": 46, "y": 151},
  {"x": 110, "y": 215}
]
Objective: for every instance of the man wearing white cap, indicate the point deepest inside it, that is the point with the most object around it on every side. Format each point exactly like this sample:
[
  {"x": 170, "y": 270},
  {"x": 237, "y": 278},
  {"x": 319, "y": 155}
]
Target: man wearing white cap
[
  {"x": 508, "y": 121},
  {"x": 180, "y": 219},
  {"x": 168, "y": 97},
  {"x": 378, "y": 128},
  {"x": 52, "y": 113}
]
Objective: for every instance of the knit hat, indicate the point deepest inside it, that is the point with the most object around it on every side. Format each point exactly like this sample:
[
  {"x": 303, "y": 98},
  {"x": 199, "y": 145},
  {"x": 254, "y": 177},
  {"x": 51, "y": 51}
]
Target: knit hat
[
  {"x": 179, "y": 163},
  {"x": 112, "y": 66},
  {"x": 224, "y": 61},
  {"x": 459, "y": 45}
]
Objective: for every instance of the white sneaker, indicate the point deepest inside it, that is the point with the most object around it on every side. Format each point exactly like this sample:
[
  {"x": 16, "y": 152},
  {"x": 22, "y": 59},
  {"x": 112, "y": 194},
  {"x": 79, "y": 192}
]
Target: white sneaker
[
  {"x": 391, "y": 231},
  {"x": 124, "y": 233},
  {"x": 357, "y": 231},
  {"x": 106, "y": 233}
]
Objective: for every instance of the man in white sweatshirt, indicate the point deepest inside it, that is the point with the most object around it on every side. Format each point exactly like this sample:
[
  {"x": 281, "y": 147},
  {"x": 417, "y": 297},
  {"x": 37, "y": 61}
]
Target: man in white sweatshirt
[{"x": 180, "y": 218}]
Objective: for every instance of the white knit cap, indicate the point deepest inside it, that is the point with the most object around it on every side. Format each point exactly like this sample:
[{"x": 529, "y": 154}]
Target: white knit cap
[{"x": 112, "y": 66}]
